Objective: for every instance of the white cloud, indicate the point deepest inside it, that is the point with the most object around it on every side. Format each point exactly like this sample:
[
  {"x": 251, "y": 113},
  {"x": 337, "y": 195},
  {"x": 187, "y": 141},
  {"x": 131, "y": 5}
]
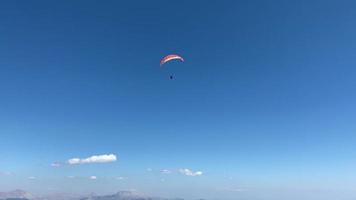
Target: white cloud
[
  {"x": 165, "y": 171},
  {"x": 189, "y": 172},
  {"x": 74, "y": 161},
  {"x": 93, "y": 177},
  {"x": 105, "y": 158},
  {"x": 70, "y": 176},
  {"x": 56, "y": 164},
  {"x": 31, "y": 177},
  {"x": 120, "y": 178}
]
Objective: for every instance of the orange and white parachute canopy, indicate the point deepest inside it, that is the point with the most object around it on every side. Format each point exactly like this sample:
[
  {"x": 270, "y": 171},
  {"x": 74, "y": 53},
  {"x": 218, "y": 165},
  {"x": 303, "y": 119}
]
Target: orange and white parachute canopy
[{"x": 170, "y": 57}]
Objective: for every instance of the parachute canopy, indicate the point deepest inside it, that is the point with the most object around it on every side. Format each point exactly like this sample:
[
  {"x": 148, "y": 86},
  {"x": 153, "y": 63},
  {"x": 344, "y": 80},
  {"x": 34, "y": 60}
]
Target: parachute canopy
[{"x": 170, "y": 57}]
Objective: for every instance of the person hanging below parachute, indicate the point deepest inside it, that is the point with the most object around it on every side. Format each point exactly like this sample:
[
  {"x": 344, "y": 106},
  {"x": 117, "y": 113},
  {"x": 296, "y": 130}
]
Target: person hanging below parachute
[{"x": 169, "y": 58}]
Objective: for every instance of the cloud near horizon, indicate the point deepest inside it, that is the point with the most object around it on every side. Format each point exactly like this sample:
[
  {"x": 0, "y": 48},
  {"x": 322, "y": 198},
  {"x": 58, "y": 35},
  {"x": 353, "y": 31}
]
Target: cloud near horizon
[
  {"x": 189, "y": 172},
  {"x": 56, "y": 164},
  {"x": 238, "y": 189},
  {"x": 105, "y": 158},
  {"x": 6, "y": 174},
  {"x": 120, "y": 178},
  {"x": 166, "y": 171}
]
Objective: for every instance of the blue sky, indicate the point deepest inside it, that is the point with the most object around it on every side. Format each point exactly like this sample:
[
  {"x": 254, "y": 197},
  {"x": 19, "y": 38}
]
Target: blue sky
[{"x": 264, "y": 104}]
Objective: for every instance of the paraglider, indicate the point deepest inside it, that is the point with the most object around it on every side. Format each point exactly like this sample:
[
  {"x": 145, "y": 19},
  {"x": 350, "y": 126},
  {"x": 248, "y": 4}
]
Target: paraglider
[{"x": 169, "y": 58}]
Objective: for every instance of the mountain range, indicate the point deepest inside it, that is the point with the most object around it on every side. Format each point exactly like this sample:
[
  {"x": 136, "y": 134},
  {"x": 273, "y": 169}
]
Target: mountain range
[
  {"x": 121, "y": 195},
  {"x": 16, "y": 194}
]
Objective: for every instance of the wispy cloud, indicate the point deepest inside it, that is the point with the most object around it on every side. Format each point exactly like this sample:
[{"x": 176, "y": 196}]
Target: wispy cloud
[
  {"x": 6, "y": 174},
  {"x": 232, "y": 189},
  {"x": 237, "y": 189},
  {"x": 56, "y": 164},
  {"x": 31, "y": 178},
  {"x": 189, "y": 172},
  {"x": 105, "y": 158},
  {"x": 165, "y": 171},
  {"x": 120, "y": 178},
  {"x": 93, "y": 177}
]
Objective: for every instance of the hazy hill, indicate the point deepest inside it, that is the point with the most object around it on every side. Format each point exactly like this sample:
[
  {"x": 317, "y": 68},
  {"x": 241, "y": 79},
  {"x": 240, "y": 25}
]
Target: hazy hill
[
  {"x": 126, "y": 195},
  {"x": 122, "y": 195},
  {"x": 16, "y": 195}
]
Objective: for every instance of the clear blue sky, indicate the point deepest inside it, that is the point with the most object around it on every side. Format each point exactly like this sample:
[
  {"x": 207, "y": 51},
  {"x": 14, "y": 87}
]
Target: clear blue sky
[{"x": 264, "y": 105}]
